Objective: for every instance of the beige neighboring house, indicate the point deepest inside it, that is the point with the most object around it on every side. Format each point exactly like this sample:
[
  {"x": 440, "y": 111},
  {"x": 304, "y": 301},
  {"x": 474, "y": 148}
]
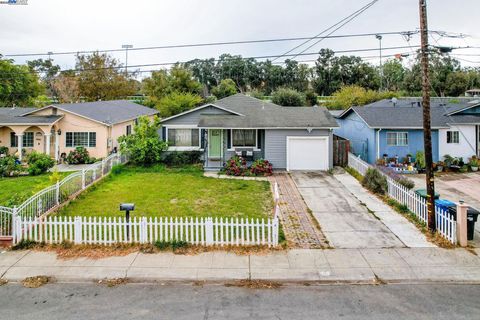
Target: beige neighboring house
[{"x": 58, "y": 129}]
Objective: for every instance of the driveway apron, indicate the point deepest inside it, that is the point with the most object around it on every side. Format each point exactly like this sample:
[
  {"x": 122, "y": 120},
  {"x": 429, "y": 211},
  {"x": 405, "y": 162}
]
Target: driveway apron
[{"x": 345, "y": 221}]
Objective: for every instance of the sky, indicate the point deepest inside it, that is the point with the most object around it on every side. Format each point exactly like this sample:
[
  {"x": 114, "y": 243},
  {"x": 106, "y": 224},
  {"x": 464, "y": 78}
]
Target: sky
[{"x": 74, "y": 25}]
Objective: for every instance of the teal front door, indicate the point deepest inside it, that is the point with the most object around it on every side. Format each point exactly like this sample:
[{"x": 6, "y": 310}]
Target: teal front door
[{"x": 215, "y": 144}]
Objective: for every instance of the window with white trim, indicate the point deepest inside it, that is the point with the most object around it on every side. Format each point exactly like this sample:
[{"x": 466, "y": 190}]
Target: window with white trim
[
  {"x": 80, "y": 139},
  {"x": 27, "y": 140},
  {"x": 244, "y": 138},
  {"x": 397, "y": 139},
  {"x": 453, "y": 137},
  {"x": 180, "y": 137}
]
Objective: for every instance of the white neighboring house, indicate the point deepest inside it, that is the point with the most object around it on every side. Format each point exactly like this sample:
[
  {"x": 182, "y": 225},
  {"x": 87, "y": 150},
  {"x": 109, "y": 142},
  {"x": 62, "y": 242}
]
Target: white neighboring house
[{"x": 462, "y": 138}]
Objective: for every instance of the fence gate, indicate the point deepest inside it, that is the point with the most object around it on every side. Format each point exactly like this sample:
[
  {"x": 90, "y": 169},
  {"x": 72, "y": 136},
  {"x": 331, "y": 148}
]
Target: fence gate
[
  {"x": 341, "y": 148},
  {"x": 6, "y": 222}
]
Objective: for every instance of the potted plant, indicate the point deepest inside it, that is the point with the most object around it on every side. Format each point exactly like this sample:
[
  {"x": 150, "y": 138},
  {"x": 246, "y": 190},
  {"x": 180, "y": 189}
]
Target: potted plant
[
  {"x": 409, "y": 157},
  {"x": 440, "y": 166},
  {"x": 473, "y": 163}
]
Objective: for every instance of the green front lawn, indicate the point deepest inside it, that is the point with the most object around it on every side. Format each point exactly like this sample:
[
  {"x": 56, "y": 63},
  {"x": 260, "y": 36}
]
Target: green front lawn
[
  {"x": 160, "y": 191},
  {"x": 15, "y": 190}
]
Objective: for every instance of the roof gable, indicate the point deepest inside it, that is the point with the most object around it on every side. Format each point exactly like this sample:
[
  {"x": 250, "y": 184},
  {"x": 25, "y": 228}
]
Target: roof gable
[{"x": 199, "y": 108}]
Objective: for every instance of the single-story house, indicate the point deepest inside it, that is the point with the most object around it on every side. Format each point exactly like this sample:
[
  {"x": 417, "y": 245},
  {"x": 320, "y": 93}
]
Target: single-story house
[
  {"x": 291, "y": 138},
  {"x": 395, "y": 127},
  {"x": 57, "y": 129}
]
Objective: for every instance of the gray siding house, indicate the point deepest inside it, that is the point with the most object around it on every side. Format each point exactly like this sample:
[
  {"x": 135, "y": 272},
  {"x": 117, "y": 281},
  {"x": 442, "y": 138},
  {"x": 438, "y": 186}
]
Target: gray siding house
[{"x": 291, "y": 138}]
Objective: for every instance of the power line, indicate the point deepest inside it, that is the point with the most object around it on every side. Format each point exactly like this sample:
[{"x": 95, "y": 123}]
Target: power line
[
  {"x": 351, "y": 16},
  {"x": 215, "y": 60},
  {"x": 342, "y": 25},
  {"x": 213, "y": 44}
]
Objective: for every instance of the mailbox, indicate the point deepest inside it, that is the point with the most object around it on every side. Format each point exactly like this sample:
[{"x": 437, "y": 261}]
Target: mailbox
[{"x": 127, "y": 206}]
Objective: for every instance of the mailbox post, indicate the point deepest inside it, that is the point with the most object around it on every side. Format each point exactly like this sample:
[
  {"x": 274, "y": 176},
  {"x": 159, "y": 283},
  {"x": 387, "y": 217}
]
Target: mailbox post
[{"x": 127, "y": 207}]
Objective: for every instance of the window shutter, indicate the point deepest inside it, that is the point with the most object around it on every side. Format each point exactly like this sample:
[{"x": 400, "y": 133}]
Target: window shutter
[
  {"x": 202, "y": 138},
  {"x": 164, "y": 134},
  {"x": 259, "y": 138},
  {"x": 229, "y": 139}
]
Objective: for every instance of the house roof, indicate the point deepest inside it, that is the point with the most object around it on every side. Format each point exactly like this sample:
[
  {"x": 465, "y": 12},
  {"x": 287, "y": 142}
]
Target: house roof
[
  {"x": 249, "y": 112},
  {"x": 408, "y": 113},
  {"x": 13, "y": 116},
  {"x": 107, "y": 112}
]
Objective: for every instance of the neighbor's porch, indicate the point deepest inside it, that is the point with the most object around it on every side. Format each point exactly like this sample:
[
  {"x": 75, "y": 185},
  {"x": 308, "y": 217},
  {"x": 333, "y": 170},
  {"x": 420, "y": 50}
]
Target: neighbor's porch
[{"x": 39, "y": 138}]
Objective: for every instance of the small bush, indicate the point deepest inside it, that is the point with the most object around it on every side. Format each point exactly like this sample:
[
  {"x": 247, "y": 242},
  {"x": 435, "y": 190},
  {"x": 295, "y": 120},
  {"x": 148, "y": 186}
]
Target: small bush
[
  {"x": 55, "y": 176},
  {"x": 3, "y": 150},
  {"x": 78, "y": 156},
  {"x": 375, "y": 181},
  {"x": 39, "y": 163},
  {"x": 420, "y": 159},
  {"x": 407, "y": 183},
  {"x": 24, "y": 245},
  {"x": 9, "y": 166},
  {"x": 261, "y": 167},
  {"x": 236, "y": 166},
  {"x": 173, "y": 245},
  {"x": 182, "y": 158},
  {"x": 117, "y": 169}
]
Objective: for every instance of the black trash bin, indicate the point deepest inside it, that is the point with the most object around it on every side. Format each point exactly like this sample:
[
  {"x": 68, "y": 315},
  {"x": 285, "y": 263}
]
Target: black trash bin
[{"x": 472, "y": 216}]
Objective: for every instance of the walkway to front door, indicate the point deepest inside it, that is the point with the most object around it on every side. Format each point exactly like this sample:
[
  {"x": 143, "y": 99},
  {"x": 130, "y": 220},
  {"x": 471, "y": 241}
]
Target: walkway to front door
[{"x": 300, "y": 228}]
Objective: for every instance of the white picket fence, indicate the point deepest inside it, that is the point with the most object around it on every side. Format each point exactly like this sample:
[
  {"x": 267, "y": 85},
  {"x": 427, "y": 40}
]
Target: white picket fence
[
  {"x": 108, "y": 230},
  {"x": 51, "y": 197},
  {"x": 446, "y": 224}
]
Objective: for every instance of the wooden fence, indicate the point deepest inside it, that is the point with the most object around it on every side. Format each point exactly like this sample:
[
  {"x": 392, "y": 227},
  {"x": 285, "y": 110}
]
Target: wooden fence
[
  {"x": 108, "y": 230},
  {"x": 446, "y": 224},
  {"x": 341, "y": 149}
]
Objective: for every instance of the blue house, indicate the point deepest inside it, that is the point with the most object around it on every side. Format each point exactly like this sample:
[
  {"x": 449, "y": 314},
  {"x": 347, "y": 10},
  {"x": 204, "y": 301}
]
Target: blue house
[{"x": 395, "y": 128}]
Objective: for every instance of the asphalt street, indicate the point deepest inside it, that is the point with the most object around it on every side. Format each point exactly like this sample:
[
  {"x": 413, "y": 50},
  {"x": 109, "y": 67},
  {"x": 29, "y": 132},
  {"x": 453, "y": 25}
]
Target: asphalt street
[{"x": 196, "y": 301}]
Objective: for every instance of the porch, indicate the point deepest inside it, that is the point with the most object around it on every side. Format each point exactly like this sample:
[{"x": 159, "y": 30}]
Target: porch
[{"x": 219, "y": 145}]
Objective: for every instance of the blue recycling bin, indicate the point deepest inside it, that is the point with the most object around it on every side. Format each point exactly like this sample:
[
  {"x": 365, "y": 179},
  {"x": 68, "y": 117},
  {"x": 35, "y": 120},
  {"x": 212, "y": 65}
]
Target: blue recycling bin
[{"x": 444, "y": 204}]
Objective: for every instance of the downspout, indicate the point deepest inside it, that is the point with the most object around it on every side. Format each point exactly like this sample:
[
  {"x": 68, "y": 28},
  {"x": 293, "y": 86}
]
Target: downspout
[{"x": 378, "y": 144}]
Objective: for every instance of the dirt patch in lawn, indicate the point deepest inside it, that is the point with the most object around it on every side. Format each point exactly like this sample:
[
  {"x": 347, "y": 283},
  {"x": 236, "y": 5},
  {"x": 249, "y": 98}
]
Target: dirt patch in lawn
[{"x": 113, "y": 282}]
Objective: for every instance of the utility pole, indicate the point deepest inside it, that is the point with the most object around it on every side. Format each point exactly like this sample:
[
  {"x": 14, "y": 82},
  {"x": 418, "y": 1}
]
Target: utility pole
[
  {"x": 379, "y": 38},
  {"x": 126, "y": 47},
  {"x": 427, "y": 133}
]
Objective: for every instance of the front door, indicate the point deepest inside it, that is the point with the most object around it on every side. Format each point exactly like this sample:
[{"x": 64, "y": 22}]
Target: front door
[{"x": 215, "y": 144}]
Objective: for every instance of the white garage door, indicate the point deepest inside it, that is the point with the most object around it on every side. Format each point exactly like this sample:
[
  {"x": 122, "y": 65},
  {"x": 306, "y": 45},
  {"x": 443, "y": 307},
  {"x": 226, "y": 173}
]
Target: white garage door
[{"x": 307, "y": 153}]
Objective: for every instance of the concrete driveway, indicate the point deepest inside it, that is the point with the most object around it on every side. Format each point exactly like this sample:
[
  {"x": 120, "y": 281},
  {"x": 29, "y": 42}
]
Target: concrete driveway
[
  {"x": 344, "y": 220},
  {"x": 455, "y": 187}
]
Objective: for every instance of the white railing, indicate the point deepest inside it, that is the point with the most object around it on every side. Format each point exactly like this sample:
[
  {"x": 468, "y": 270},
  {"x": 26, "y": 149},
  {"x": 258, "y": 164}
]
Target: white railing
[
  {"x": 276, "y": 200},
  {"x": 49, "y": 198},
  {"x": 446, "y": 225},
  {"x": 5, "y": 221},
  {"x": 108, "y": 230}
]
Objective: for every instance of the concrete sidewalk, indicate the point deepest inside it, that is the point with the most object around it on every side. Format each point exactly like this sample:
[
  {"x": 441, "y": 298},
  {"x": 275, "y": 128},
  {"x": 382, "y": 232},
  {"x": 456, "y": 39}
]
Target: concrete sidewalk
[{"x": 301, "y": 265}]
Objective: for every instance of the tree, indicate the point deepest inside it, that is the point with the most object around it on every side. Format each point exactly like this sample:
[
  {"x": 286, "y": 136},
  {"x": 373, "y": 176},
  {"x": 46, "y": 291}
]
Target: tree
[
  {"x": 18, "y": 85},
  {"x": 66, "y": 88},
  {"x": 288, "y": 97},
  {"x": 100, "y": 78},
  {"x": 144, "y": 146},
  {"x": 177, "y": 102},
  {"x": 354, "y": 95},
  {"x": 393, "y": 75},
  {"x": 226, "y": 88},
  {"x": 48, "y": 71}
]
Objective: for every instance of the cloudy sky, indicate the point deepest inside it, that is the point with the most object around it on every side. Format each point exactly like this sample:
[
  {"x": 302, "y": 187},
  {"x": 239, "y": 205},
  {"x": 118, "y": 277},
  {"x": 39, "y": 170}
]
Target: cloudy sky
[{"x": 75, "y": 25}]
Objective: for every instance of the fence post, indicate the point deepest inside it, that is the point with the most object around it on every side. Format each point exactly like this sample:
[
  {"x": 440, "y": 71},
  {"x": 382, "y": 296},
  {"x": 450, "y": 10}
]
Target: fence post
[
  {"x": 209, "y": 231},
  {"x": 143, "y": 230},
  {"x": 103, "y": 167},
  {"x": 78, "y": 230},
  {"x": 94, "y": 175},
  {"x": 462, "y": 224},
  {"x": 83, "y": 179},
  {"x": 57, "y": 193},
  {"x": 13, "y": 225},
  {"x": 275, "y": 232}
]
